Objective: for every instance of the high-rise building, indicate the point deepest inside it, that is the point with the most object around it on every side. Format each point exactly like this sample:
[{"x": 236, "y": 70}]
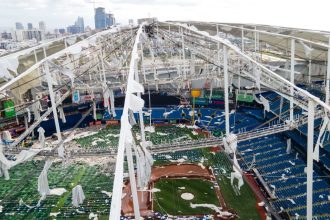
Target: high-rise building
[
  {"x": 130, "y": 21},
  {"x": 100, "y": 18},
  {"x": 30, "y": 26},
  {"x": 80, "y": 24},
  {"x": 110, "y": 20},
  {"x": 73, "y": 29},
  {"x": 6, "y": 35},
  {"x": 42, "y": 26},
  {"x": 22, "y": 35},
  {"x": 19, "y": 26}
]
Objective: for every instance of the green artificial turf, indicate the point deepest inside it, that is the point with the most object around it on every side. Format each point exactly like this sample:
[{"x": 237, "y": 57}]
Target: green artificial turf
[
  {"x": 169, "y": 200},
  {"x": 23, "y": 185},
  {"x": 66, "y": 195},
  {"x": 243, "y": 203}
]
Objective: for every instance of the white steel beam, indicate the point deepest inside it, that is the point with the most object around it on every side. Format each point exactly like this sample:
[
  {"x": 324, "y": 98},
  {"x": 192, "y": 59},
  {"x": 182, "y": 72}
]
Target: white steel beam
[
  {"x": 275, "y": 77},
  {"x": 310, "y": 149},
  {"x": 225, "y": 70},
  {"x": 328, "y": 78},
  {"x": 53, "y": 101},
  {"x": 292, "y": 78},
  {"x": 115, "y": 209}
]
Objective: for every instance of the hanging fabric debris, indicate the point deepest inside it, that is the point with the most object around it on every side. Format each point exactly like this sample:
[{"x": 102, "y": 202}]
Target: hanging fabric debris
[
  {"x": 4, "y": 167},
  {"x": 23, "y": 156},
  {"x": 149, "y": 161},
  {"x": 7, "y": 138},
  {"x": 135, "y": 103},
  {"x": 61, "y": 113},
  {"x": 60, "y": 106},
  {"x": 43, "y": 187},
  {"x": 106, "y": 96},
  {"x": 319, "y": 142},
  {"x": 236, "y": 174},
  {"x": 10, "y": 63},
  {"x": 41, "y": 136},
  {"x": 78, "y": 196},
  {"x": 68, "y": 73},
  {"x": 36, "y": 108},
  {"x": 230, "y": 143},
  {"x": 264, "y": 102},
  {"x": 94, "y": 110},
  {"x": 112, "y": 103},
  {"x": 28, "y": 114},
  {"x": 308, "y": 50}
]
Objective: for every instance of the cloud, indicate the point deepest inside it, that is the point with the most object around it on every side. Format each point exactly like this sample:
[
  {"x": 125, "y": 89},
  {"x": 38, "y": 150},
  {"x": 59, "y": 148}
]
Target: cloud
[{"x": 61, "y": 13}]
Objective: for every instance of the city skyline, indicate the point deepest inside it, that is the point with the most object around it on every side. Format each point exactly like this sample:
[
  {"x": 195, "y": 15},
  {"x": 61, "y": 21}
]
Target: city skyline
[{"x": 61, "y": 13}]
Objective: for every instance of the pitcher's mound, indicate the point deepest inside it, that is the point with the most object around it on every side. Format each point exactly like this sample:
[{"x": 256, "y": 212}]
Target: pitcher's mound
[{"x": 187, "y": 196}]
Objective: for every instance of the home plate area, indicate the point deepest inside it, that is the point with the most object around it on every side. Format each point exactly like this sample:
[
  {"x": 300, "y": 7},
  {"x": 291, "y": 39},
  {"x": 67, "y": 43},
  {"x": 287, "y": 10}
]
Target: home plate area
[{"x": 180, "y": 191}]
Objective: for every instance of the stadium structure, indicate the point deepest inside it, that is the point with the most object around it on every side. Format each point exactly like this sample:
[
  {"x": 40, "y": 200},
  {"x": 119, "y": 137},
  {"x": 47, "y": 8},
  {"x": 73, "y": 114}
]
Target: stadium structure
[{"x": 168, "y": 120}]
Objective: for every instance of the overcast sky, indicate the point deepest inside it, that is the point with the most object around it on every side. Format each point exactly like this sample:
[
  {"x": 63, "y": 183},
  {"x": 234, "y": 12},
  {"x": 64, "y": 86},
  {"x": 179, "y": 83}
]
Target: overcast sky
[{"x": 311, "y": 14}]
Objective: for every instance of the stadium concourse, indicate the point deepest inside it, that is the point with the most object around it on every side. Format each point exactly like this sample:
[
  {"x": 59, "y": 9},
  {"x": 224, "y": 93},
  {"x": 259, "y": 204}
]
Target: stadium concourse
[{"x": 168, "y": 120}]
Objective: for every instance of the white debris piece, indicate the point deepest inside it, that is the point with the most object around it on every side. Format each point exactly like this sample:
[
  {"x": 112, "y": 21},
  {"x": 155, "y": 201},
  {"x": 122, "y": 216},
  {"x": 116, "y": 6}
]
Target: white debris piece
[
  {"x": 194, "y": 133},
  {"x": 154, "y": 190},
  {"x": 150, "y": 129},
  {"x": 92, "y": 216},
  {"x": 213, "y": 207},
  {"x": 78, "y": 196},
  {"x": 292, "y": 201},
  {"x": 261, "y": 204},
  {"x": 109, "y": 194},
  {"x": 57, "y": 191},
  {"x": 292, "y": 163},
  {"x": 166, "y": 114},
  {"x": 54, "y": 214}
]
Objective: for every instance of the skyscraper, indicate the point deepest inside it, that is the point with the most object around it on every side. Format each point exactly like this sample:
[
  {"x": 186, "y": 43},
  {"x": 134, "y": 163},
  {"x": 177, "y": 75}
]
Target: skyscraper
[
  {"x": 110, "y": 20},
  {"x": 100, "y": 18},
  {"x": 73, "y": 29},
  {"x": 19, "y": 26},
  {"x": 80, "y": 24},
  {"x": 42, "y": 26},
  {"x": 30, "y": 26}
]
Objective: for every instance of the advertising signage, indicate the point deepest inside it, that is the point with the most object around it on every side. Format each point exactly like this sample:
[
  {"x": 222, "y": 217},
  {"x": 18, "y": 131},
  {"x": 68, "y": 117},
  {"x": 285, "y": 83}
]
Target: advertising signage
[{"x": 208, "y": 102}]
